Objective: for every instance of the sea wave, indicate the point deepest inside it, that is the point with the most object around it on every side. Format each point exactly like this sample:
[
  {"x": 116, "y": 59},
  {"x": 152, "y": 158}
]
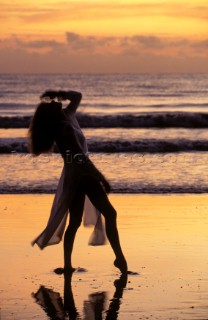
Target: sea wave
[
  {"x": 134, "y": 188},
  {"x": 12, "y": 106},
  {"x": 20, "y": 145},
  {"x": 24, "y": 106},
  {"x": 137, "y": 120},
  {"x": 142, "y": 105}
]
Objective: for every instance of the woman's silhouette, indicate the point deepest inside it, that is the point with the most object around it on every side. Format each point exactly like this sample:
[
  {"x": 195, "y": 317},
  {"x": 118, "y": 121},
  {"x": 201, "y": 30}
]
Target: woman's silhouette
[{"x": 82, "y": 187}]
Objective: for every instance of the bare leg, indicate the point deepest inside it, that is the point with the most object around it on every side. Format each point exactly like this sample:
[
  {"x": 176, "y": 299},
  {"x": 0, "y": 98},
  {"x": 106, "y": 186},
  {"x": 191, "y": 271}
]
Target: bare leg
[
  {"x": 99, "y": 199},
  {"x": 76, "y": 212}
]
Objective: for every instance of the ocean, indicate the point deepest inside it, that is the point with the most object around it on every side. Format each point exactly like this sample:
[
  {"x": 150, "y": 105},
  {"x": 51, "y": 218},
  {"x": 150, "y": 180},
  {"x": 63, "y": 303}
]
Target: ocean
[{"x": 146, "y": 132}]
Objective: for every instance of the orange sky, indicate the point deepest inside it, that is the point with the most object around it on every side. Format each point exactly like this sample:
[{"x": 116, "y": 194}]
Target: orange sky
[{"x": 104, "y": 36}]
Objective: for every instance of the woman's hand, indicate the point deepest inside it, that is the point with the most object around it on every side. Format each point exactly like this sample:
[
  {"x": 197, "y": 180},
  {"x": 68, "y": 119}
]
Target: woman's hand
[
  {"x": 49, "y": 94},
  {"x": 74, "y": 96}
]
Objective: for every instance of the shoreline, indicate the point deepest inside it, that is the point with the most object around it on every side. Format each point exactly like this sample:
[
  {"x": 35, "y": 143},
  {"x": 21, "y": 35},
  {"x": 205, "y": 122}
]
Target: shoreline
[{"x": 52, "y": 192}]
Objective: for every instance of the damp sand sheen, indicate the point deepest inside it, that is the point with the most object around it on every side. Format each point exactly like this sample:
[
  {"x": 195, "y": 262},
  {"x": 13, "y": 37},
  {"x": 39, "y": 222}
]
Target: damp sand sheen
[{"x": 165, "y": 240}]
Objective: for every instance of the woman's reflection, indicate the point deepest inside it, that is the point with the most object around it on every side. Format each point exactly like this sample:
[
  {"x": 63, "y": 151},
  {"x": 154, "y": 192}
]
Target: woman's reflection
[{"x": 94, "y": 307}]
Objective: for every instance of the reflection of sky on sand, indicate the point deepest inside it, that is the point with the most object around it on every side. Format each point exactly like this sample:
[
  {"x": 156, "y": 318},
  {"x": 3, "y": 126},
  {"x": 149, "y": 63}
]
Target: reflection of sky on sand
[{"x": 164, "y": 238}]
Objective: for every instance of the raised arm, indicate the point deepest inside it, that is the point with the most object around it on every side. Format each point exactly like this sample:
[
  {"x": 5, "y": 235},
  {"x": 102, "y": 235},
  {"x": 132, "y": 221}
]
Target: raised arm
[{"x": 73, "y": 96}]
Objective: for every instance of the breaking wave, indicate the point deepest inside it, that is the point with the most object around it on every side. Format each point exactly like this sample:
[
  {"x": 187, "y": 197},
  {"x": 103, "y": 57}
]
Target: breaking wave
[
  {"x": 117, "y": 188},
  {"x": 9, "y": 145},
  {"x": 139, "y": 120}
]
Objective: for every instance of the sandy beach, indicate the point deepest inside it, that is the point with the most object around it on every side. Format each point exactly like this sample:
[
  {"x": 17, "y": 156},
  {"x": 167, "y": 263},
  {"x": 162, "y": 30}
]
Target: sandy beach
[{"x": 164, "y": 238}]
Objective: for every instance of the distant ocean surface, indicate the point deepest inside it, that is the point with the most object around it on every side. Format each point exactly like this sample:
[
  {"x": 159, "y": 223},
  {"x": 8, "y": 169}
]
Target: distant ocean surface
[{"x": 146, "y": 132}]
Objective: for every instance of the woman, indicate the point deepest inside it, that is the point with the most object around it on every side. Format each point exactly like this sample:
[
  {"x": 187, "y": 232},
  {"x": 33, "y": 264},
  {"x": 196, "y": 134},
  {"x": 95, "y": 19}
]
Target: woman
[{"x": 81, "y": 187}]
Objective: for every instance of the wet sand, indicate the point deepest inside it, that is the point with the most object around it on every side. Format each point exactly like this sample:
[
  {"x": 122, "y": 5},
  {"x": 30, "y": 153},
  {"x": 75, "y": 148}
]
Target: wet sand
[{"x": 164, "y": 237}]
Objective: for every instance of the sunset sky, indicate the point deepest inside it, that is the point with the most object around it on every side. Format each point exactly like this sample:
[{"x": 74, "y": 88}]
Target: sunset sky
[{"x": 104, "y": 36}]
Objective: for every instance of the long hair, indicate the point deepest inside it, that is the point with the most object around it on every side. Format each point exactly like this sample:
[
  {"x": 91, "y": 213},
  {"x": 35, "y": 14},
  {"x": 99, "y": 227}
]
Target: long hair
[{"x": 43, "y": 127}]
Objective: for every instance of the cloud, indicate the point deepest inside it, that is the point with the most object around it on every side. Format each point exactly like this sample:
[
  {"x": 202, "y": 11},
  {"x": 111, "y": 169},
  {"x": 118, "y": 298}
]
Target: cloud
[
  {"x": 149, "y": 41},
  {"x": 84, "y": 44},
  {"x": 39, "y": 46},
  {"x": 21, "y": 61},
  {"x": 133, "y": 44},
  {"x": 92, "y": 43},
  {"x": 86, "y": 53},
  {"x": 79, "y": 42}
]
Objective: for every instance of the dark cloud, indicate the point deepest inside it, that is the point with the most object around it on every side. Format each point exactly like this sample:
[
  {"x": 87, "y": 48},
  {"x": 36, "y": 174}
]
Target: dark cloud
[
  {"x": 131, "y": 44},
  {"x": 30, "y": 62},
  {"x": 82, "y": 43},
  {"x": 71, "y": 37},
  {"x": 23, "y": 61},
  {"x": 39, "y": 44},
  {"x": 25, "y": 44},
  {"x": 149, "y": 41},
  {"x": 79, "y": 42},
  {"x": 87, "y": 43}
]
